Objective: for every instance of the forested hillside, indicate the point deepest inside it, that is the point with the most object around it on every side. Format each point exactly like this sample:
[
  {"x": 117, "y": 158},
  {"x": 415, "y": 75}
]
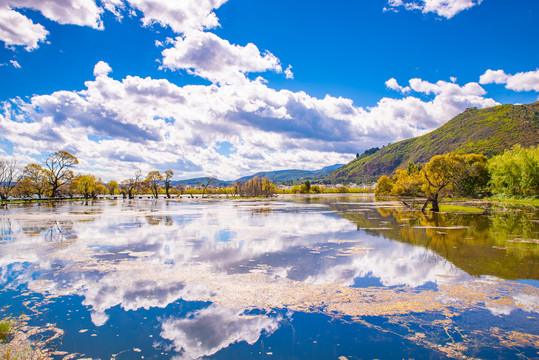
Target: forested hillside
[{"x": 485, "y": 131}]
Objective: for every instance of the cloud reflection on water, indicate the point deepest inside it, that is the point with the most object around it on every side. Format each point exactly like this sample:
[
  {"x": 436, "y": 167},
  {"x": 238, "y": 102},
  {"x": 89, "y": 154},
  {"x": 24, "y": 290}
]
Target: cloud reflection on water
[
  {"x": 209, "y": 330},
  {"x": 150, "y": 254}
]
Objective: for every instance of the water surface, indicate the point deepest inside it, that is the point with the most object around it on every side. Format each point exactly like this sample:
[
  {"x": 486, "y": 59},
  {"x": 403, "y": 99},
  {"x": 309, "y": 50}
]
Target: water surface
[{"x": 290, "y": 278}]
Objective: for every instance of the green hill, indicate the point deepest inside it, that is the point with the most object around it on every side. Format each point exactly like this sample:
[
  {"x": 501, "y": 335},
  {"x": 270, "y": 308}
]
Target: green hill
[
  {"x": 283, "y": 176},
  {"x": 486, "y": 131}
]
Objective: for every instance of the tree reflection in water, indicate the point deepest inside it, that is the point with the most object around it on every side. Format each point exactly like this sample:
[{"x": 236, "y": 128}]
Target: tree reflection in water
[{"x": 499, "y": 243}]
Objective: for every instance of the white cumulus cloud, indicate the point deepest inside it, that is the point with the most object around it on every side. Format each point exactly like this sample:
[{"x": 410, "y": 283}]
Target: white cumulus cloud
[
  {"x": 17, "y": 30},
  {"x": 288, "y": 72},
  {"x": 522, "y": 81},
  {"x": 394, "y": 85},
  {"x": 181, "y": 16},
  {"x": 76, "y": 12},
  {"x": 143, "y": 123},
  {"x": 443, "y": 8},
  {"x": 102, "y": 69},
  {"x": 208, "y": 56},
  {"x": 496, "y": 77}
]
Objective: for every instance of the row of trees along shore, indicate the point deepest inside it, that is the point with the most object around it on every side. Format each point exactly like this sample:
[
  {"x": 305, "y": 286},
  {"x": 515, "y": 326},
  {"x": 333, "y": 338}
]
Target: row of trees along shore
[
  {"x": 514, "y": 173},
  {"x": 56, "y": 179}
]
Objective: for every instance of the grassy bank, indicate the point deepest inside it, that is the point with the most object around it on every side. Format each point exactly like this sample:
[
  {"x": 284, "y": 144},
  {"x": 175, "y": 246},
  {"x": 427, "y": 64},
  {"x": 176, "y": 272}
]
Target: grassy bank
[{"x": 516, "y": 201}]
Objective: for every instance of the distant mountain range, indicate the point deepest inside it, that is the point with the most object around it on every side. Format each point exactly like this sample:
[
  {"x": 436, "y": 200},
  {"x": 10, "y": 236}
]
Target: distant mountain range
[
  {"x": 487, "y": 131},
  {"x": 201, "y": 181},
  {"x": 276, "y": 177},
  {"x": 293, "y": 175}
]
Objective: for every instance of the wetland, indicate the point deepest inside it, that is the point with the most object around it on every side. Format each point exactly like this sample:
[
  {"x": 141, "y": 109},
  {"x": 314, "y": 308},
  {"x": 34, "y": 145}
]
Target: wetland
[{"x": 294, "y": 277}]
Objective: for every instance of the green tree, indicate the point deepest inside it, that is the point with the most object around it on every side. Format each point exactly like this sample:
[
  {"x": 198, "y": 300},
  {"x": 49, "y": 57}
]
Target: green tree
[
  {"x": 384, "y": 186},
  {"x": 441, "y": 173},
  {"x": 35, "y": 177},
  {"x": 168, "y": 177},
  {"x": 305, "y": 188},
  {"x": 86, "y": 185},
  {"x": 407, "y": 182},
  {"x": 154, "y": 178},
  {"x": 112, "y": 186},
  {"x": 473, "y": 176},
  {"x": 23, "y": 188},
  {"x": 100, "y": 189},
  {"x": 58, "y": 165},
  {"x": 255, "y": 187},
  {"x": 515, "y": 172}
]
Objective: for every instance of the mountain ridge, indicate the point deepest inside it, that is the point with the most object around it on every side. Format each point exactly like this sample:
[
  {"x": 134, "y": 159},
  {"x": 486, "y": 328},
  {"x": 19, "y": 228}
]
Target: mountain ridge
[
  {"x": 487, "y": 131},
  {"x": 277, "y": 177}
]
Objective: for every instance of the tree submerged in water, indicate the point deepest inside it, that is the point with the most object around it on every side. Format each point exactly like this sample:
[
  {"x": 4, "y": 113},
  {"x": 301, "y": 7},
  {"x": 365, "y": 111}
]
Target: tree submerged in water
[
  {"x": 255, "y": 187},
  {"x": 59, "y": 172},
  {"x": 444, "y": 174}
]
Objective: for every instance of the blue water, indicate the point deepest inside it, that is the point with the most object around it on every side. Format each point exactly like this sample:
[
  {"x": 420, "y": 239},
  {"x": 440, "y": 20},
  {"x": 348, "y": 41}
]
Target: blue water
[{"x": 168, "y": 279}]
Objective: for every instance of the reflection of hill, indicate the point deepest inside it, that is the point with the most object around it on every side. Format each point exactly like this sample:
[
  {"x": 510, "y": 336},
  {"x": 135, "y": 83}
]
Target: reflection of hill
[{"x": 504, "y": 244}]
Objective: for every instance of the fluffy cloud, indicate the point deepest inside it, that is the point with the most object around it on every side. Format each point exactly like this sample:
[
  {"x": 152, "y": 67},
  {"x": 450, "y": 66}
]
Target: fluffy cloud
[
  {"x": 120, "y": 126},
  {"x": 76, "y": 12},
  {"x": 491, "y": 76},
  {"x": 17, "y": 29},
  {"x": 449, "y": 100},
  {"x": 181, "y": 16},
  {"x": 523, "y": 81},
  {"x": 444, "y": 8},
  {"x": 394, "y": 85},
  {"x": 288, "y": 72},
  {"x": 206, "y": 55},
  {"x": 102, "y": 69}
]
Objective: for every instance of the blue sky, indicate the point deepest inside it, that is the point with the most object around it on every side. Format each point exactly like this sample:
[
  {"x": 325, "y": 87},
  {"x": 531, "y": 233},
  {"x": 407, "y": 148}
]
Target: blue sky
[{"x": 230, "y": 87}]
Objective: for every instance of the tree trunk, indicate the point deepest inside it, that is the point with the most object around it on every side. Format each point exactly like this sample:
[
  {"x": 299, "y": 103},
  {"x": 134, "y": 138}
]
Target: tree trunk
[{"x": 434, "y": 201}]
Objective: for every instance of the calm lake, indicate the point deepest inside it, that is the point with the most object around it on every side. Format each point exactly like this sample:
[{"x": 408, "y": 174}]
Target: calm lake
[{"x": 294, "y": 277}]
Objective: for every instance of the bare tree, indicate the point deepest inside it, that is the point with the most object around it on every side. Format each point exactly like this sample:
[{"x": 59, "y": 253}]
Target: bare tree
[
  {"x": 8, "y": 177},
  {"x": 181, "y": 189},
  {"x": 208, "y": 183},
  {"x": 168, "y": 176},
  {"x": 133, "y": 184},
  {"x": 58, "y": 165}
]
